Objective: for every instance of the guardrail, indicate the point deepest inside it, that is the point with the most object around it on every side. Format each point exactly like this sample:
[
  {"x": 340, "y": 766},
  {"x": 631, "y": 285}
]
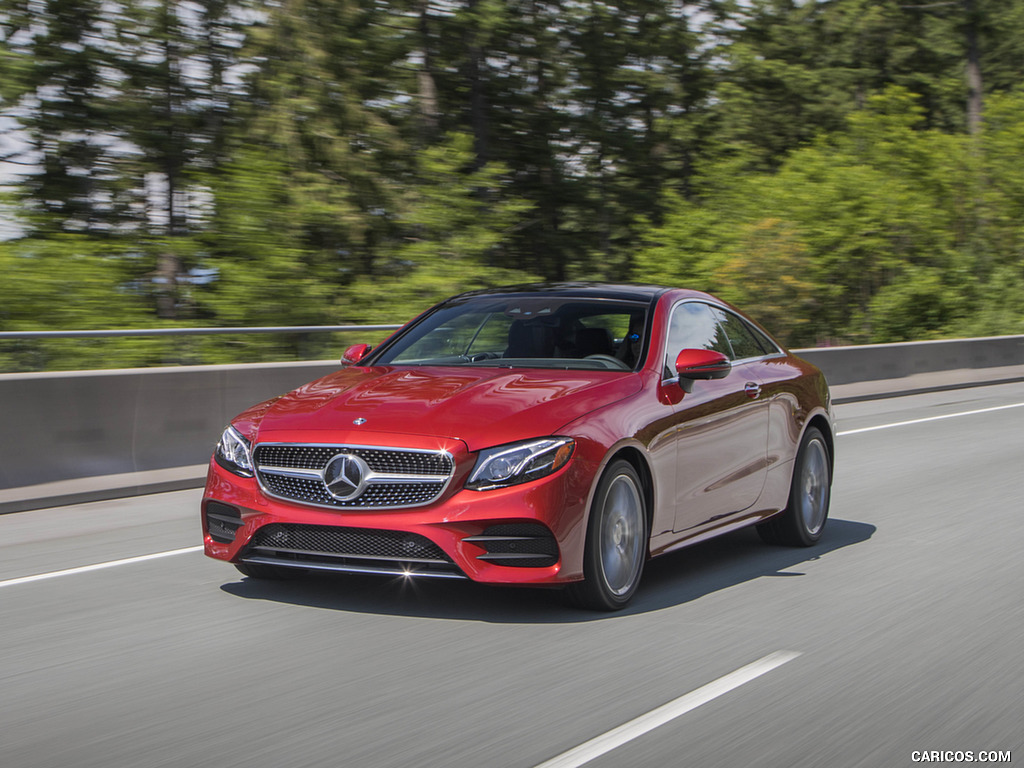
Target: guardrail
[
  {"x": 61, "y": 426},
  {"x": 124, "y": 332},
  {"x": 27, "y": 350}
]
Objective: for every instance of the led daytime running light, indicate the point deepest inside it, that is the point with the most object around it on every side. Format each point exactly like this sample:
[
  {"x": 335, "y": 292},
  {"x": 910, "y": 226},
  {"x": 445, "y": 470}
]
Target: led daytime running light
[
  {"x": 520, "y": 462},
  {"x": 233, "y": 454}
]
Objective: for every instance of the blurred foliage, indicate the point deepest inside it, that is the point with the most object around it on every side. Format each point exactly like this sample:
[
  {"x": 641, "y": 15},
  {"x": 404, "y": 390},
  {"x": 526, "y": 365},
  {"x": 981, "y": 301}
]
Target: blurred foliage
[
  {"x": 232, "y": 163},
  {"x": 883, "y": 231}
]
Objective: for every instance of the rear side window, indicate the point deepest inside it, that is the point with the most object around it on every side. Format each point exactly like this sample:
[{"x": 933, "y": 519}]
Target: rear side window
[
  {"x": 769, "y": 346},
  {"x": 741, "y": 336}
]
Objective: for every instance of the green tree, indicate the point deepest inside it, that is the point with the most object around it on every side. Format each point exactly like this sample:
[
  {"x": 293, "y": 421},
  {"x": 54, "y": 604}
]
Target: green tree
[
  {"x": 70, "y": 281},
  {"x": 456, "y": 223},
  {"x": 880, "y": 209},
  {"x": 59, "y": 72},
  {"x": 174, "y": 99},
  {"x": 306, "y": 193}
]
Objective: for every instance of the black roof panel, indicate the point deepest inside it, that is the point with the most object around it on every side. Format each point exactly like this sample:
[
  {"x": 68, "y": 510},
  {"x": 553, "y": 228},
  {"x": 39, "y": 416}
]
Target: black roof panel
[{"x": 619, "y": 291}]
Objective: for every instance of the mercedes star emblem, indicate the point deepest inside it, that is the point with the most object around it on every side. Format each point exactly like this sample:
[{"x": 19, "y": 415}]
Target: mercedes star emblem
[{"x": 345, "y": 476}]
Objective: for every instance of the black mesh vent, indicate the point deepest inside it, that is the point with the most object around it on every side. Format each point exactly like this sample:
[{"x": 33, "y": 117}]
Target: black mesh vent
[
  {"x": 521, "y": 529},
  {"x": 288, "y": 538},
  {"x": 520, "y": 545},
  {"x": 222, "y": 521}
]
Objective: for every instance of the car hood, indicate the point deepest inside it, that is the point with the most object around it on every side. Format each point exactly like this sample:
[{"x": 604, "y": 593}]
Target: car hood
[{"x": 480, "y": 406}]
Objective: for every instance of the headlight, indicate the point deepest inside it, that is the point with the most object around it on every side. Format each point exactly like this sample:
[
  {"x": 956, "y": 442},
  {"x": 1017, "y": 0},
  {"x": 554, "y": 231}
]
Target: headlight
[
  {"x": 520, "y": 462},
  {"x": 232, "y": 453}
]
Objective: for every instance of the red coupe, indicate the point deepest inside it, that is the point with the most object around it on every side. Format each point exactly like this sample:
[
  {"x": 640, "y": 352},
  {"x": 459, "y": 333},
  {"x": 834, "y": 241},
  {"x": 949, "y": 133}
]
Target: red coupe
[{"x": 554, "y": 435}]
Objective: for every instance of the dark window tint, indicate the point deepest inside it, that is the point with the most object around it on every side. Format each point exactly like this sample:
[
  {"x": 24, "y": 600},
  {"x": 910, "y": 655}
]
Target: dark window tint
[
  {"x": 741, "y": 337},
  {"x": 769, "y": 346},
  {"x": 524, "y": 330}
]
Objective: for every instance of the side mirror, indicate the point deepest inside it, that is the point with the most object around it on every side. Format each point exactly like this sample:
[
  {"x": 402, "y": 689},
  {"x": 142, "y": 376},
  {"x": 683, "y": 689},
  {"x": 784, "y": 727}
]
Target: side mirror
[
  {"x": 355, "y": 353},
  {"x": 702, "y": 364}
]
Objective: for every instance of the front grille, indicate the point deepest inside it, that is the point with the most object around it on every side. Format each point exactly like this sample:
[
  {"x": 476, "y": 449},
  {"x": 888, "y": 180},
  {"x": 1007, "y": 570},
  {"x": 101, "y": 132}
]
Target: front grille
[
  {"x": 395, "y": 460},
  {"x": 375, "y": 496},
  {"x": 327, "y": 547},
  {"x": 520, "y": 545},
  {"x": 399, "y": 477}
]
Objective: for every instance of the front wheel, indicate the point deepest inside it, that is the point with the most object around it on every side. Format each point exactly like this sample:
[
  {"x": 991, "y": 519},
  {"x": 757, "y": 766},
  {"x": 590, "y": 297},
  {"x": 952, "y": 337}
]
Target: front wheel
[
  {"x": 616, "y": 546},
  {"x": 802, "y": 522}
]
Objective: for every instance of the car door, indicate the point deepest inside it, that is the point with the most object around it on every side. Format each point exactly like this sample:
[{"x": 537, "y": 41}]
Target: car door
[{"x": 720, "y": 427}]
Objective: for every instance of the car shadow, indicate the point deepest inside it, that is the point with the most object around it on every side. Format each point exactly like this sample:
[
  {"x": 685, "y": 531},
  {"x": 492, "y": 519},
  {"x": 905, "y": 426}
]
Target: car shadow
[{"x": 668, "y": 581}]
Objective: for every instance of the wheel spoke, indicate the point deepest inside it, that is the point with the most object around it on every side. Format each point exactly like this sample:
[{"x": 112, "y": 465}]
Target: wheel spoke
[
  {"x": 621, "y": 542},
  {"x": 814, "y": 486}
]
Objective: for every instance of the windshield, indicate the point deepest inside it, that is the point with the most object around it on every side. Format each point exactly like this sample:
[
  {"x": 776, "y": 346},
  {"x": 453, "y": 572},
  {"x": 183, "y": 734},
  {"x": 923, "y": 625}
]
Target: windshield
[{"x": 525, "y": 331}]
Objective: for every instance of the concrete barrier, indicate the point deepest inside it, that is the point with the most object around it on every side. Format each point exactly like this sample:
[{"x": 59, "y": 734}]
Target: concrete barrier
[
  {"x": 874, "y": 362},
  {"x": 58, "y": 426},
  {"x": 62, "y": 426}
]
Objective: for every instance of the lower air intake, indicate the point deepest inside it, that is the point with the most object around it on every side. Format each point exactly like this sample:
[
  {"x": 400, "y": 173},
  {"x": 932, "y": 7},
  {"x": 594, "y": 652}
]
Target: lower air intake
[
  {"x": 519, "y": 545},
  {"x": 222, "y": 521},
  {"x": 359, "y": 550}
]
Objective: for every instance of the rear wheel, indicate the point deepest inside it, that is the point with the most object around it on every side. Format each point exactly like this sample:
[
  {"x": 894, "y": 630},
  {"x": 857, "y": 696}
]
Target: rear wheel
[
  {"x": 616, "y": 545},
  {"x": 267, "y": 572},
  {"x": 802, "y": 522}
]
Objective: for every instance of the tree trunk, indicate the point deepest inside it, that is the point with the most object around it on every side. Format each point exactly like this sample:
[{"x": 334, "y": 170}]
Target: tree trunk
[
  {"x": 477, "y": 96},
  {"x": 974, "y": 82},
  {"x": 427, "y": 84}
]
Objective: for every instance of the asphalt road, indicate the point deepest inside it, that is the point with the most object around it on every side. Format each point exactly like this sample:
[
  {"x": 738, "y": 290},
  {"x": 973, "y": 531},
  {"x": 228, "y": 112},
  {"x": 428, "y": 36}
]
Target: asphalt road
[{"x": 907, "y": 619}]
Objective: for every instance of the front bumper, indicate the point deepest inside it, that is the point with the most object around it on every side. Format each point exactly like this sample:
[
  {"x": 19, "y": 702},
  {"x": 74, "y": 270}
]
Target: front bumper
[{"x": 526, "y": 534}]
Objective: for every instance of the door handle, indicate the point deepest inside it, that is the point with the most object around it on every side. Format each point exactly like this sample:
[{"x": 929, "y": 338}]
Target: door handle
[{"x": 752, "y": 389}]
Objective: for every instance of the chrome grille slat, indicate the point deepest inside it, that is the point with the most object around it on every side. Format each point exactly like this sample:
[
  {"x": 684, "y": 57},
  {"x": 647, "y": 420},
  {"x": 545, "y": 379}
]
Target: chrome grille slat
[
  {"x": 291, "y": 471},
  {"x": 279, "y": 550},
  {"x": 505, "y": 538},
  {"x": 397, "y": 478},
  {"x": 357, "y": 568}
]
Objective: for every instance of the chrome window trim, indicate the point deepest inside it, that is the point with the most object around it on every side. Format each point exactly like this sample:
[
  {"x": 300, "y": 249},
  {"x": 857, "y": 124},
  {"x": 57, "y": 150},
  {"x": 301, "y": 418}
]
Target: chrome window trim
[
  {"x": 773, "y": 356},
  {"x": 443, "y": 481}
]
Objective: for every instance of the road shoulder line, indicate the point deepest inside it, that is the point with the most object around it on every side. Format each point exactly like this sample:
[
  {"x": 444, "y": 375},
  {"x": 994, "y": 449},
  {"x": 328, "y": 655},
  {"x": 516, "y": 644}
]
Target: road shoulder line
[{"x": 97, "y": 566}]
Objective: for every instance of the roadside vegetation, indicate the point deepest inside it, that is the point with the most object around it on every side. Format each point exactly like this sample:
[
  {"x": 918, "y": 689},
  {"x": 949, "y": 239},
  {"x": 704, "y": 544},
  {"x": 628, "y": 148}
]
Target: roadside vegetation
[{"x": 848, "y": 171}]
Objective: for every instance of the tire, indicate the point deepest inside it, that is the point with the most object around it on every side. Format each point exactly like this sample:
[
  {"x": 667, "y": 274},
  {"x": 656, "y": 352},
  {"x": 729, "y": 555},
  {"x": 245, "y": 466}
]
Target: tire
[
  {"x": 266, "y": 572},
  {"x": 803, "y": 521},
  {"x": 616, "y": 545}
]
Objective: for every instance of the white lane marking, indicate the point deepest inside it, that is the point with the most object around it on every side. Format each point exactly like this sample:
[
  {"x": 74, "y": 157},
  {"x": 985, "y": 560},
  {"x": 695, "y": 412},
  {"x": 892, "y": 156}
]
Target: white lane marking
[
  {"x": 930, "y": 418},
  {"x": 616, "y": 737},
  {"x": 98, "y": 566}
]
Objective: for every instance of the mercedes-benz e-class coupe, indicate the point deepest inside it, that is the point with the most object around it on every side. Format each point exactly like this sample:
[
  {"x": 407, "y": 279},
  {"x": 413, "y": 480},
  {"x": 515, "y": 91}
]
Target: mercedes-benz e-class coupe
[{"x": 555, "y": 435}]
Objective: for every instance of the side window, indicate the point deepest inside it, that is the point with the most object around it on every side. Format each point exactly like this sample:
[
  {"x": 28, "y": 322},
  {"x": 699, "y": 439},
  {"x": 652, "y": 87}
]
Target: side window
[
  {"x": 769, "y": 346},
  {"x": 693, "y": 326},
  {"x": 744, "y": 343}
]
